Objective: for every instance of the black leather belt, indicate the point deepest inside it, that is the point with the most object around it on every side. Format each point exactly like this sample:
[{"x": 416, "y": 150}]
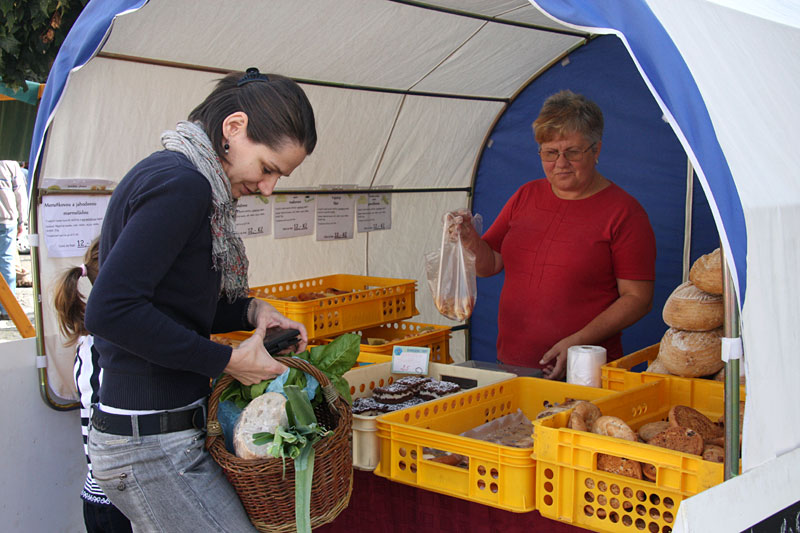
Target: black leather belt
[{"x": 152, "y": 424}]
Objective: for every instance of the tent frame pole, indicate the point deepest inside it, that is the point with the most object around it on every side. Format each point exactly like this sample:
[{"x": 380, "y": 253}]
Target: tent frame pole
[{"x": 731, "y": 331}]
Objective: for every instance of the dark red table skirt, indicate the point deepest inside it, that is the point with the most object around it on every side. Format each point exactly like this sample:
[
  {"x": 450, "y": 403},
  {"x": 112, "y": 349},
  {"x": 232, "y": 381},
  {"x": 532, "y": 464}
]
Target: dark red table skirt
[{"x": 379, "y": 505}]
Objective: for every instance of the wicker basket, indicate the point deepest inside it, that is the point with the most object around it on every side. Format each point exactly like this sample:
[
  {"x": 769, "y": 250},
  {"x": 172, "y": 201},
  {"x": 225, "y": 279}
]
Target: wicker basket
[{"x": 268, "y": 496}]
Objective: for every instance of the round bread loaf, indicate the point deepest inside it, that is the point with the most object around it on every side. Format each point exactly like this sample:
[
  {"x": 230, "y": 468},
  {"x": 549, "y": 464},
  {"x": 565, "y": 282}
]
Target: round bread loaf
[
  {"x": 613, "y": 426},
  {"x": 657, "y": 367},
  {"x": 687, "y": 417},
  {"x": 691, "y": 354},
  {"x": 679, "y": 439},
  {"x": 706, "y": 273},
  {"x": 648, "y": 431},
  {"x": 262, "y": 415},
  {"x": 692, "y": 309},
  {"x": 715, "y": 454},
  {"x": 619, "y": 465}
]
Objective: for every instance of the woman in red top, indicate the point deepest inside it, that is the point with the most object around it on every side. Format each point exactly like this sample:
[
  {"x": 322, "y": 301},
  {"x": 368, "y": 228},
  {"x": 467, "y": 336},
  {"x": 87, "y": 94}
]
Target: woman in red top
[{"x": 578, "y": 252}]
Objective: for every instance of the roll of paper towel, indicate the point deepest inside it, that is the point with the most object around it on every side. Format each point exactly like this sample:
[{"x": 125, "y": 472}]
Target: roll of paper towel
[{"x": 583, "y": 365}]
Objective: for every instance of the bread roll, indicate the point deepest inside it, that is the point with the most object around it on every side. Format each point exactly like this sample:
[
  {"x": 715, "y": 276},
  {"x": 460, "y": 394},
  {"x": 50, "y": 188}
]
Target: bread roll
[
  {"x": 687, "y": 417},
  {"x": 706, "y": 273},
  {"x": 691, "y": 309},
  {"x": 613, "y": 426},
  {"x": 262, "y": 415},
  {"x": 679, "y": 439},
  {"x": 619, "y": 465},
  {"x": 691, "y": 354},
  {"x": 648, "y": 431}
]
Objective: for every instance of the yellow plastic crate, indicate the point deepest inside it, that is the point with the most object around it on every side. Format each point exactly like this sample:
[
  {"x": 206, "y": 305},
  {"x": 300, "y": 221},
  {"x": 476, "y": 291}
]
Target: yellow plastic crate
[
  {"x": 498, "y": 476},
  {"x": 569, "y": 487},
  {"x": 369, "y": 301},
  {"x": 366, "y": 447},
  {"x": 705, "y": 394},
  {"x": 405, "y": 333}
]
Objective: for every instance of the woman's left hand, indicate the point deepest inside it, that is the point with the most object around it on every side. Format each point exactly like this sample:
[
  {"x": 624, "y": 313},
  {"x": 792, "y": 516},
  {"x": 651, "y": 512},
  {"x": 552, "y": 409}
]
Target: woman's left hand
[
  {"x": 555, "y": 359},
  {"x": 263, "y": 315}
]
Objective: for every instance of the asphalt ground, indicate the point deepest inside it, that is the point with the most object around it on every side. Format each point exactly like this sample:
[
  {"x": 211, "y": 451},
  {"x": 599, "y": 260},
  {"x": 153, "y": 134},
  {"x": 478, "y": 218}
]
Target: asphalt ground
[{"x": 8, "y": 330}]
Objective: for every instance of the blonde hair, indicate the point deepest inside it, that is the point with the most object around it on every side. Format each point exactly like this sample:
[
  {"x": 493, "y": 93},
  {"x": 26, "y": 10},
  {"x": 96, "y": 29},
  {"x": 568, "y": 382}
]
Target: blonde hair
[
  {"x": 566, "y": 112},
  {"x": 68, "y": 301}
]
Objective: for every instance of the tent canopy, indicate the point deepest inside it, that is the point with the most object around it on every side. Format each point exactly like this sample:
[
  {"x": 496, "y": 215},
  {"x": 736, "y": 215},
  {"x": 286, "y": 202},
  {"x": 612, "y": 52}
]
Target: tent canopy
[{"x": 415, "y": 94}]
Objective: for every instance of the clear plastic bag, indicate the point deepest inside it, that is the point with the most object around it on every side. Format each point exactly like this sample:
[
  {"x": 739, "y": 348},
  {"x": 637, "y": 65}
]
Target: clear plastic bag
[{"x": 451, "y": 270}]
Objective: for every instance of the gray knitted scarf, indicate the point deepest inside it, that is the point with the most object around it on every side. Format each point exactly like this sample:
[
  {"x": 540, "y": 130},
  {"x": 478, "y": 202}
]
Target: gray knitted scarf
[{"x": 228, "y": 253}]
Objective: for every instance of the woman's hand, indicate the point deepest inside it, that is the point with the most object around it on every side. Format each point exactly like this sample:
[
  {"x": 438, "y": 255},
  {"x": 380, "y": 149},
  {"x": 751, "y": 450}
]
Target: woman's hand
[
  {"x": 487, "y": 261},
  {"x": 555, "y": 359},
  {"x": 250, "y": 363},
  {"x": 263, "y": 315}
]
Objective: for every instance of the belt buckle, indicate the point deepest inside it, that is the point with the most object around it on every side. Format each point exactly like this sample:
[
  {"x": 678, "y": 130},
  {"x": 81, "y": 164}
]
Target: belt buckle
[{"x": 201, "y": 410}]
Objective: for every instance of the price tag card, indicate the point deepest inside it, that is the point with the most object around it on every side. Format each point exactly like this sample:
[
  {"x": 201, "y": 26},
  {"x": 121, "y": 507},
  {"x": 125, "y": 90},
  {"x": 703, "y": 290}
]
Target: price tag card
[
  {"x": 373, "y": 212},
  {"x": 293, "y": 215},
  {"x": 253, "y": 216},
  {"x": 410, "y": 360},
  {"x": 335, "y": 214}
]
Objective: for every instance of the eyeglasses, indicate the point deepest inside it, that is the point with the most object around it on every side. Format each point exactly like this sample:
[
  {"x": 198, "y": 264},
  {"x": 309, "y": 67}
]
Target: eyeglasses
[{"x": 570, "y": 155}]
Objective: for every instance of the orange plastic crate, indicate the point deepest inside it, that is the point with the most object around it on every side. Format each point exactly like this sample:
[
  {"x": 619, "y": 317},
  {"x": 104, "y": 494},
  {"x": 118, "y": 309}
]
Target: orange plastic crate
[
  {"x": 498, "y": 476},
  {"x": 569, "y": 487},
  {"x": 405, "y": 333},
  {"x": 370, "y": 301}
]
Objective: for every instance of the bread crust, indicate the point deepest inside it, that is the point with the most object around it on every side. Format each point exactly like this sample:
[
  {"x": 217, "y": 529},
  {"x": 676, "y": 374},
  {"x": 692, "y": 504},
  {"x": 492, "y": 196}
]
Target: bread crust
[
  {"x": 687, "y": 417},
  {"x": 713, "y": 453},
  {"x": 679, "y": 439},
  {"x": 619, "y": 465},
  {"x": 648, "y": 431},
  {"x": 613, "y": 426},
  {"x": 691, "y": 309},
  {"x": 706, "y": 272},
  {"x": 691, "y": 354}
]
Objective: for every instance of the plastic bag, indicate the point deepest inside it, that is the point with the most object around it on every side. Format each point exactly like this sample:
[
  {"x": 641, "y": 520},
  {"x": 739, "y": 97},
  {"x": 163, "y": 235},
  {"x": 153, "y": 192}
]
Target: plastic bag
[{"x": 451, "y": 270}]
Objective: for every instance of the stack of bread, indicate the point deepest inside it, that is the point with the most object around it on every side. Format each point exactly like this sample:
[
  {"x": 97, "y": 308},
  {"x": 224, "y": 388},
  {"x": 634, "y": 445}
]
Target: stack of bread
[{"x": 694, "y": 311}]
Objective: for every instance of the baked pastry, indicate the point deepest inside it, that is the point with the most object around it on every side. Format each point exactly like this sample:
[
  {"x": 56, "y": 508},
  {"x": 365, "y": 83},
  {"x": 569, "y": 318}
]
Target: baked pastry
[
  {"x": 691, "y": 354},
  {"x": 414, "y": 382},
  {"x": 613, "y": 426},
  {"x": 367, "y": 407},
  {"x": 649, "y": 471},
  {"x": 706, "y": 272},
  {"x": 393, "y": 393},
  {"x": 551, "y": 409},
  {"x": 619, "y": 465},
  {"x": 691, "y": 309},
  {"x": 685, "y": 416},
  {"x": 391, "y": 407},
  {"x": 679, "y": 439},
  {"x": 657, "y": 367},
  {"x": 715, "y": 454},
  {"x": 648, "y": 431},
  {"x": 436, "y": 389}
]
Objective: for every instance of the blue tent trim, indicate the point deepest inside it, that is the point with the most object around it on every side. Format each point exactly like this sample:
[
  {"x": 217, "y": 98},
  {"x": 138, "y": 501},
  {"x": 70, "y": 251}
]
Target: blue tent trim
[
  {"x": 83, "y": 41},
  {"x": 664, "y": 67}
]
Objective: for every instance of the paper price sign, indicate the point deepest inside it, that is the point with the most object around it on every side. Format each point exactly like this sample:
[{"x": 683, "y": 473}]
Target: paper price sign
[{"x": 410, "y": 360}]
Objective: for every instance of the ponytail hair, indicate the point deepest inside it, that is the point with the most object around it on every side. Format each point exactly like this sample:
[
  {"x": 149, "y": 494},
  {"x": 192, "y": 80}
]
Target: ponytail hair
[{"x": 68, "y": 301}]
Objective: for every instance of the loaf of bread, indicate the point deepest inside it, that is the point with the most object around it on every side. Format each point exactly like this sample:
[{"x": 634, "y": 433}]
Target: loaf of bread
[
  {"x": 691, "y": 354},
  {"x": 613, "y": 426},
  {"x": 262, "y": 415},
  {"x": 657, "y": 367},
  {"x": 706, "y": 273},
  {"x": 692, "y": 309}
]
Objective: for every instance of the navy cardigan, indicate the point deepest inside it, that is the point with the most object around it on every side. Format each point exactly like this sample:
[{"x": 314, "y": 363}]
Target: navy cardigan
[{"x": 156, "y": 299}]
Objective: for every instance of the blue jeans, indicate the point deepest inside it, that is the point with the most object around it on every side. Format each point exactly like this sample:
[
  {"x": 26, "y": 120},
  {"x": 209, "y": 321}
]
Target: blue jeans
[
  {"x": 166, "y": 482},
  {"x": 8, "y": 244}
]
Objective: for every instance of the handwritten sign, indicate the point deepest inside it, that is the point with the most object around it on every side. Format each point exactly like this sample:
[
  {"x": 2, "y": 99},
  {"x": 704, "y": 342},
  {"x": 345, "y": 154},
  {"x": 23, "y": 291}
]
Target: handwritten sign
[
  {"x": 335, "y": 216},
  {"x": 374, "y": 212},
  {"x": 70, "y": 223},
  {"x": 410, "y": 360},
  {"x": 253, "y": 216},
  {"x": 294, "y": 215}
]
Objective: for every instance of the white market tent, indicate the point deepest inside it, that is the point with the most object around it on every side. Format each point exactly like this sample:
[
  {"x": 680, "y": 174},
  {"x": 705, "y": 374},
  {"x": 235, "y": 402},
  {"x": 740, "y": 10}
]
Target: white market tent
[{"x": 435, "y": 100}]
